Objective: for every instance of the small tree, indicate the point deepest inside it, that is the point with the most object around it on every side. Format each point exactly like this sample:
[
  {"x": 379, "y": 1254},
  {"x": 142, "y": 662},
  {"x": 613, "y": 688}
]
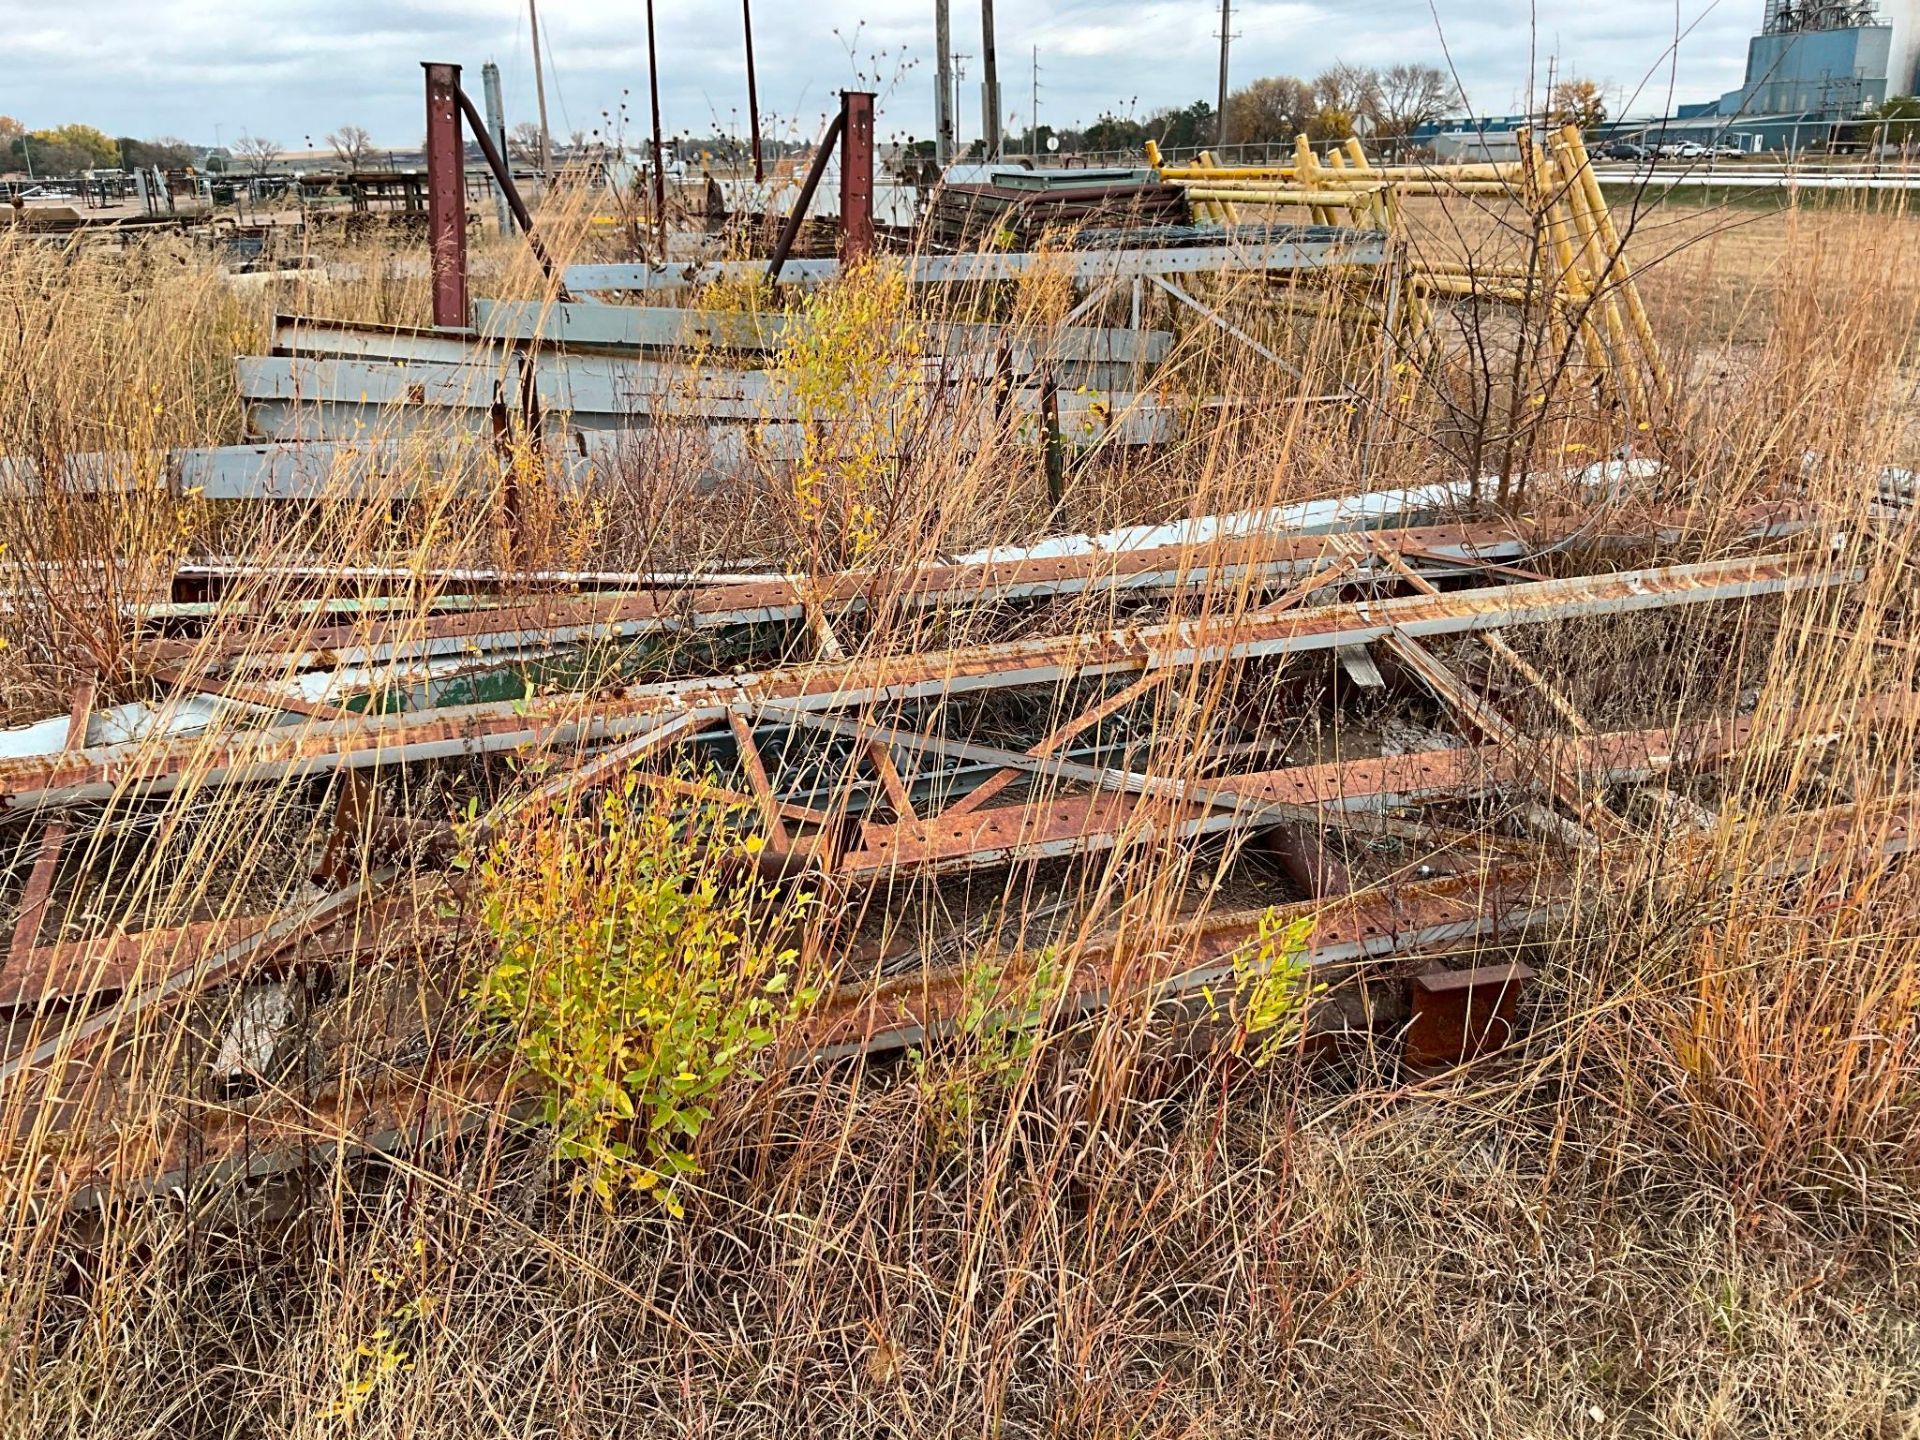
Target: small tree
[
  {"x": 523, "y": 142},
  {"x": 258, "y": 151},
  {"x": 1344, "y": 89},
  {"x": 1577, "y": 103},
  {"x": 640, "y": 970},
  {"x": 1270, "y": 111},
  {"x": 352, "y": 144},
  {"x": 1407, "y": 96}
]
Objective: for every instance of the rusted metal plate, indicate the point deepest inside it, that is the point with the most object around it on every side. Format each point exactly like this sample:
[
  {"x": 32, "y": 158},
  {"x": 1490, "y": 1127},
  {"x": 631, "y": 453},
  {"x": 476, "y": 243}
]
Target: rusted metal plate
[{"x": 1460, "y": 1015}]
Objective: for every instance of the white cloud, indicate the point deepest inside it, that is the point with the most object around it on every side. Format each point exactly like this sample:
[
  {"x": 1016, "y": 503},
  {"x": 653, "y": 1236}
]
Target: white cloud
[{"x": 294, "y": 68}]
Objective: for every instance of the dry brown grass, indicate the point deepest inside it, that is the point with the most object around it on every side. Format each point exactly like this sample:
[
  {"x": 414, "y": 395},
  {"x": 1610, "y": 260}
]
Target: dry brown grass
[{"x": 1686, "y": 1204}]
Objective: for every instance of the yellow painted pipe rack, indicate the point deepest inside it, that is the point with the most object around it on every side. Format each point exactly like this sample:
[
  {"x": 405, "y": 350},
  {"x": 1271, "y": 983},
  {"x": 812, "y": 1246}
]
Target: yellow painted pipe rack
[{"x": 1578, "y": 274}]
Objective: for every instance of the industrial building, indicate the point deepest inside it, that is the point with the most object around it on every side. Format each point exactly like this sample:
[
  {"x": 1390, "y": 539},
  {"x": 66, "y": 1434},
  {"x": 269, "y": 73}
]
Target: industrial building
[{"x": 1814, "y": 66}]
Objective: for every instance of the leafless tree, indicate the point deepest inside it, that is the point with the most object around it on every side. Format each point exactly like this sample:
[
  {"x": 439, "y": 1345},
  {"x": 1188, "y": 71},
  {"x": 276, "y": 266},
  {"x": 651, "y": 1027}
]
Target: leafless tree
[
  {"x": 1348, "y": 88},
  {"x": 257, "y": 151},
  {"x": 1270, "y": 111},
  {"x": 523, "y": 142},
  {"x": 1407, "y": 96},
  {"x": 1342, "y": 93},
  {"x": 352, "y": 144}
]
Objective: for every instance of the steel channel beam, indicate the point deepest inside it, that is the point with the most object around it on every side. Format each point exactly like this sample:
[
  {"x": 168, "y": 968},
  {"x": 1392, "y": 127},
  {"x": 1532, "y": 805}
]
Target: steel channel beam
[
  {"x": 668, "y": 327},
  {"x": 609, "y": 391},
  {"x": 1460, "y": 548},
  {"x": 158, "y": 768},
  {"x": 1320, "y": 248}
]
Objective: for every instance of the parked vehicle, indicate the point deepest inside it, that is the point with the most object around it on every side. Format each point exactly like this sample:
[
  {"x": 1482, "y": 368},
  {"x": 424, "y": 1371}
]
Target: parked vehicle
[{"x": 1625, "y": 150}]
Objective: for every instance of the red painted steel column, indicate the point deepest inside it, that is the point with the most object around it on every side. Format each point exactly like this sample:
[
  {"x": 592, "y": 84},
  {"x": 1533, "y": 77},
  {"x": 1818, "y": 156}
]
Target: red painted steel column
[
  {"x": 856, "y": 175},
  {"x": 446, "y": 196}
]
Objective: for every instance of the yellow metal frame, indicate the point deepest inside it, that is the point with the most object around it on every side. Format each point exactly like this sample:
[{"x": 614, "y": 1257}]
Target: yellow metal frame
[{"x": 1580, "y": 278}]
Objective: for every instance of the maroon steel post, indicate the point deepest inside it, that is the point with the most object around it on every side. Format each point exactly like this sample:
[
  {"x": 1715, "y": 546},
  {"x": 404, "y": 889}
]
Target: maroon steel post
[
  {"x": 446, "y": 196},
  {"x": 856, "y": 175},
  {"x": 753, "y": 96},
  {"x": 659, "y": 167},
  {"x": 790, "y": 232}
]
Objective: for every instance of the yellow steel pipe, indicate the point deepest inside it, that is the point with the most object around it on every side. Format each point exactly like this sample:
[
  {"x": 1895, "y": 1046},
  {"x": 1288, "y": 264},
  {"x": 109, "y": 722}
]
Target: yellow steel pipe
[
  {"x": 1619, "y": 271},
  {"x": 1436, "y": 173},
  {"x": 1562, "y": 246},
  {"x": 1317, "y": 199},
  {"x": 1595, "y": 273}
]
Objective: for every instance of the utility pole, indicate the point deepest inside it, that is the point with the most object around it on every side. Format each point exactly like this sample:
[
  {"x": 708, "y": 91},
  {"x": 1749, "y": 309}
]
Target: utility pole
[
  {"x": 1226, "y": 41},
  {"x": 753, "y": 96},
  {"x": 959, "y": 88},
  {"x": 943, "y": 97},
  {"x": 1033, "y": 115},
  {"x": 659, "y": 170},
  {"x": 989, "y": 82},
  {"x": 497, "y": 128},
  {"x": 540, "y": 94}
]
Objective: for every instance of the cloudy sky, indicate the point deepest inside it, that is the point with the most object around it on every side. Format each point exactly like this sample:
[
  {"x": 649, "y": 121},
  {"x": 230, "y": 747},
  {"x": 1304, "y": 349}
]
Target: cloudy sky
[{"x": 294, "y": 69}]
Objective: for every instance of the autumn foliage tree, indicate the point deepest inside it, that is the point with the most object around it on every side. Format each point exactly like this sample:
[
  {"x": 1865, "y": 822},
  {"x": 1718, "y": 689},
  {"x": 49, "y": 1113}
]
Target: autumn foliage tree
[
  {"x": 1270, "y": 111},
  {"x": 1578, "y": 103}
]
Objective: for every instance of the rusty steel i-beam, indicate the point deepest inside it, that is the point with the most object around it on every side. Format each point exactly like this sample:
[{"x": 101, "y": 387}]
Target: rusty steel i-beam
[
  {"x": 856, "y": 175},
  {"x": 446, "y": 196}
]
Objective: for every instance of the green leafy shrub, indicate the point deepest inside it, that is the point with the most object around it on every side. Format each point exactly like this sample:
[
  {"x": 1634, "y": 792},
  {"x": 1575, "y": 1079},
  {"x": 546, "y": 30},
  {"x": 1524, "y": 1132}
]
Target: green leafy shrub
[
  {"x": 640, "y": 966},
  {"x": 1272, "y": 989}
]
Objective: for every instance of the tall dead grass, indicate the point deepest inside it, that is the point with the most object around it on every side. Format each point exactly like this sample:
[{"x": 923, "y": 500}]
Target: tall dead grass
[{"x": 1683, "y": 1205}]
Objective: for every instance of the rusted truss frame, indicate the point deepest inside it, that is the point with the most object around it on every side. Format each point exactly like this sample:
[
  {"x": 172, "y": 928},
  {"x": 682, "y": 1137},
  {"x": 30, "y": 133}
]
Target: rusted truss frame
[
  {"x": 957, "y": 837},
  {"x": 1059, "y": 825},
  {"x": 574, "y": 721},
  {"x": 1200, "y": 643}
]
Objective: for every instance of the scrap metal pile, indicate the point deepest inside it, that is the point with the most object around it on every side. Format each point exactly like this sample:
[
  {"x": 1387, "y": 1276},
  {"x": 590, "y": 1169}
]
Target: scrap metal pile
[
  {"x": 250, "y": 888},
  {"x": 1278, "y": 707}
]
